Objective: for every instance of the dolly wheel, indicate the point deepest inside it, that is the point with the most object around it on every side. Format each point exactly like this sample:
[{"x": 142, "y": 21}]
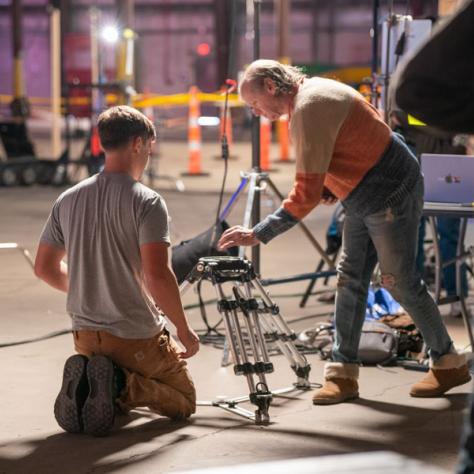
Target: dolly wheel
[
  {"x": 8, "y": 176},
  {"x": 27, "y": 175}
]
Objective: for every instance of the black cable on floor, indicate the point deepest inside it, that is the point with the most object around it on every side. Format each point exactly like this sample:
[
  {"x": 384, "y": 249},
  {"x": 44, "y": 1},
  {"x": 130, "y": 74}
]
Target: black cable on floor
[
  {"x": 207, "y": 338},
  {"x": 36, "y": 339}
]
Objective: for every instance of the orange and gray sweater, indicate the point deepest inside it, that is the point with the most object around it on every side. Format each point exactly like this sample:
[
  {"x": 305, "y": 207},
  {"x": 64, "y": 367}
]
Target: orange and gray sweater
[{"x": 341, "y": 143}]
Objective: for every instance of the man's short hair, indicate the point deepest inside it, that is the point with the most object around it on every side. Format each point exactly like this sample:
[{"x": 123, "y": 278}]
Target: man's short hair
[
  {"x": 121, "y": 124},
  {"x": 285, "y": 77}
]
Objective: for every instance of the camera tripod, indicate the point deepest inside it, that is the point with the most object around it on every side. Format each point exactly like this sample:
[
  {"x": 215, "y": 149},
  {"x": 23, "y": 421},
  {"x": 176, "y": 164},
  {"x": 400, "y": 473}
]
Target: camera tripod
[{"x": 250, "y": 322}]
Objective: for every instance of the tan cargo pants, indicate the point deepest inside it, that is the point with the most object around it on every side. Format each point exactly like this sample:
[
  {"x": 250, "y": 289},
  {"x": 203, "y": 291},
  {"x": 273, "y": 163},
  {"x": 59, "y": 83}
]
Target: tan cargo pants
[{"x": 156, "y": 377}]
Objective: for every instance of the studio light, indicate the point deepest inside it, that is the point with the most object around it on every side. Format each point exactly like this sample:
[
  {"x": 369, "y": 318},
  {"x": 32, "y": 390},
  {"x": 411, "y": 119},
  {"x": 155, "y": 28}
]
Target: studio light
[{"x": 110, "y": 34}]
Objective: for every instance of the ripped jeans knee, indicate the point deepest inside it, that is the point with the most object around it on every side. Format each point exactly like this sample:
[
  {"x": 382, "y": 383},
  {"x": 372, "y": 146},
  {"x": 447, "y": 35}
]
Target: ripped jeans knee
[
  {"x": 403, "y": 288},
  {"x": 341, "y": 280}
]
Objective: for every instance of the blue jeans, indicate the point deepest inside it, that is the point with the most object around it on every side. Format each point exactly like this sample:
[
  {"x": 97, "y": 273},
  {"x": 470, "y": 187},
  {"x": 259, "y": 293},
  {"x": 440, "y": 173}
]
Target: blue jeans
[{"x": 389, "y": 236}]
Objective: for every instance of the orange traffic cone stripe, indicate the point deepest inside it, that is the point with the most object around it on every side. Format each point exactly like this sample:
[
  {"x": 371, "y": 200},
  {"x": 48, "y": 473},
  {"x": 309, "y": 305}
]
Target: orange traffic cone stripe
[
  {"x": 194, "y": 132},
  {"x": 95, "y": 142},
  {"x": 265, "y": 139},
  {"x": 284, "y": 139}
]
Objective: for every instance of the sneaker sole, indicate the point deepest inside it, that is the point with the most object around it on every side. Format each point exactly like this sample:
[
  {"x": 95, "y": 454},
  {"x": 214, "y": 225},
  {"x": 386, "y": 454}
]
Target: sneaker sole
[
  {"x": 98, "y": 413},
  {"x": 71, "y": 397},
  {"x": 328, "y": 401}
]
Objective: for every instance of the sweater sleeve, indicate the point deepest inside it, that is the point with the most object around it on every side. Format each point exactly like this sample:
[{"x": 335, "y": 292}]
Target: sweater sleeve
[{"x": 304, "y": 197}]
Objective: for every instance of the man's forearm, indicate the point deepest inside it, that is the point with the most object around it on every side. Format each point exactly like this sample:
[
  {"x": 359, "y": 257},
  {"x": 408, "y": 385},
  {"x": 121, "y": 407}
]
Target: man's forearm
[
  {"x": 273, "y": 225},
  {"x": 165, "y": 292},
  {"x": 56, "y": 277}
]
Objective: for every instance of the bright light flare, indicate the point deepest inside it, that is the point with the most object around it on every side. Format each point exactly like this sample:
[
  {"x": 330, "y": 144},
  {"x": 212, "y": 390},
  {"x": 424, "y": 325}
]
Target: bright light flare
[
  {"x": 110, "y": 34},
  {"x": 8, "y": 245},
  {"x": 209, "y": 121}
]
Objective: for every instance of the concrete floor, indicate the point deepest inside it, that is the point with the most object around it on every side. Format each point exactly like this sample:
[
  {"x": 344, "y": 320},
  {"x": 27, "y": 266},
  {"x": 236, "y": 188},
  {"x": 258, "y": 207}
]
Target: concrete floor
[{"x": 385, "y": 418}]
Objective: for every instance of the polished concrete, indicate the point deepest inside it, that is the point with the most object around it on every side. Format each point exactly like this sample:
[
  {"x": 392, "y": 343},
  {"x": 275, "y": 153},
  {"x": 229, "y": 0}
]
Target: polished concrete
[{"x": 385, "y": 418}]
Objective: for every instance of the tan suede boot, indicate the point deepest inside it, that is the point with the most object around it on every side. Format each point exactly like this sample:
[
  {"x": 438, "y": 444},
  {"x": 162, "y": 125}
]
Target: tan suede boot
[
  {"x": 449, "y": 371},
  {"x": 340, "y": 384}
]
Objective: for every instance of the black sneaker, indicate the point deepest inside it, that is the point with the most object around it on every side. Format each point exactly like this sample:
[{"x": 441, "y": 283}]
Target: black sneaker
[
  {"x": 73, "y": 393},
  {"x": 98, "y": 412}
]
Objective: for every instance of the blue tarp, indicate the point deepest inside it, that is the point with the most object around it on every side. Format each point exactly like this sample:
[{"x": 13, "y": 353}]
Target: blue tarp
[{"x": 380, "y": 303}]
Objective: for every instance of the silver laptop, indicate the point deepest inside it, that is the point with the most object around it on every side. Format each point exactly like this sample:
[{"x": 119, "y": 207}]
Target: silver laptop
[{"x": 448, "y": 178}]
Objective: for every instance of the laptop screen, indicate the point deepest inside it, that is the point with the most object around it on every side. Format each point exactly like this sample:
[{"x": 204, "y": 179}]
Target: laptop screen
[{"x": 448, "y": 178}]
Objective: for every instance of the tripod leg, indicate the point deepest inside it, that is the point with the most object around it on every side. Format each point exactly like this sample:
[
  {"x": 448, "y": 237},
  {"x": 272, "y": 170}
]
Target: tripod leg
[
  {"x": 284, "y": 338},
  {"x": 262, "y": 397},
  {"x": 229, "y": 329},
  {"x": 242, "y": 365},
  {"x": 262, "y": 361},
  {"x": 259, "y": 394},
  {"x": 257, "y": 330}
]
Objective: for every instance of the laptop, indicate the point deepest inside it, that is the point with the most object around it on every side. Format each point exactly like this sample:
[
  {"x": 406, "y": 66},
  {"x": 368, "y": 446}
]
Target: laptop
[{"x": 449, "y": 179}]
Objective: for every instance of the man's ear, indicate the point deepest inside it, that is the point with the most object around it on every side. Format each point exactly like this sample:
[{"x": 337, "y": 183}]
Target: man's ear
[
  {"x": 137, "y": 144},
  {"x": 269, "y": 85}
]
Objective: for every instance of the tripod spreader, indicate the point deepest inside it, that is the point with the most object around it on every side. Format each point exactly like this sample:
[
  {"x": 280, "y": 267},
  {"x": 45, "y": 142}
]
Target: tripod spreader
[{"x": 257, "y": 368}]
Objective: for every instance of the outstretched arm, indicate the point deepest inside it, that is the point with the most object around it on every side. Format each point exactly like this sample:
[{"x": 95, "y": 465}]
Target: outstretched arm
[
  {"x": 163, "y": 287},
  {"x": 305, "y": 196}
]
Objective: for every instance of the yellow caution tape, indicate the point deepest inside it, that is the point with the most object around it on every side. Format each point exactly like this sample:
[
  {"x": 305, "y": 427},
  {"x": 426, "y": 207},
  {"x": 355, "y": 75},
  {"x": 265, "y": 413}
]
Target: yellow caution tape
[{"x": 140, "y": 100}]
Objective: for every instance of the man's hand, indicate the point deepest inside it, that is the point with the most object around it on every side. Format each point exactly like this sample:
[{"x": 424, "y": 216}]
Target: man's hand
[
  {"x": 328, "y": 197},
  {"x": 189, "y": 340},
  {"x": 237, "y": 236}
]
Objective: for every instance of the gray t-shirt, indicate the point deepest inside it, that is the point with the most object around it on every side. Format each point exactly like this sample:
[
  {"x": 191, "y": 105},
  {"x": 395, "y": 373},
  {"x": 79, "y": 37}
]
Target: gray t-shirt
[{"x": 101, "y": 223}]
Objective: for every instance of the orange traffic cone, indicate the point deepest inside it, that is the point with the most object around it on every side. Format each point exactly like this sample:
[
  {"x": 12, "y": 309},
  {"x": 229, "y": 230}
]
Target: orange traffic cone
[
  {"x": 265, "y": 139},
  {"x": 194, "y": 135},
  {"x": 284, "y": 140},
  {"x": 96, "y": 149},
  {"x": 365, "y": 88}
]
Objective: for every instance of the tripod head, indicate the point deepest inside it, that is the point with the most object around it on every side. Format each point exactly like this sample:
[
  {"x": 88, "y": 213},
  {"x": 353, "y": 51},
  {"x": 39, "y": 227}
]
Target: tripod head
[{"x": 221, "y": 269}]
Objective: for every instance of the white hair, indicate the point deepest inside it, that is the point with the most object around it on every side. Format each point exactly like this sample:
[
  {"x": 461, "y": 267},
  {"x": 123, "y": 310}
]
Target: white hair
[{"x": 285, "y": 77}]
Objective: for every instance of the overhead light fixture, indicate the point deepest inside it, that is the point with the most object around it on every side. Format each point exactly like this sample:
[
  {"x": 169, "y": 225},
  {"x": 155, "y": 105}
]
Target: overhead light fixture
[{"x": 110, "y": 34}]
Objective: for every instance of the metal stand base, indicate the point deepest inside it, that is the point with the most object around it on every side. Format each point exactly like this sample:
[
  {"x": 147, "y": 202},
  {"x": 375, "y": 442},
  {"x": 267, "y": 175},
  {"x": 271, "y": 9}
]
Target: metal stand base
[
  {"x": 261, "y": 319},
  {"x": 232, "y": 404}
]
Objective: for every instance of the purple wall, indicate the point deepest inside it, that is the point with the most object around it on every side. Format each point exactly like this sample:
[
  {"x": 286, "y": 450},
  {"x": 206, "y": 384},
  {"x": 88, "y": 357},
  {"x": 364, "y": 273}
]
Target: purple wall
[
  {"x": 35, "y": 55},
  {"x": 167, "y": 43}
]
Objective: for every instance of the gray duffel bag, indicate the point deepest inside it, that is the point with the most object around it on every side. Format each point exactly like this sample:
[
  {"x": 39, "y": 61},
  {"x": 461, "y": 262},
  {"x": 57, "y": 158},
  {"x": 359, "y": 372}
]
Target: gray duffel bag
[{"x": 378, "y": 344}]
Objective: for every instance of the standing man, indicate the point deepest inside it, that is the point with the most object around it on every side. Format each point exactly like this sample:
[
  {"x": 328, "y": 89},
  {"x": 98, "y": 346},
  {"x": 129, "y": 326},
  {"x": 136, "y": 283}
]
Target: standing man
[
  {"x": 344, "y": 147},
  {"x": 114, "y": 232}
]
